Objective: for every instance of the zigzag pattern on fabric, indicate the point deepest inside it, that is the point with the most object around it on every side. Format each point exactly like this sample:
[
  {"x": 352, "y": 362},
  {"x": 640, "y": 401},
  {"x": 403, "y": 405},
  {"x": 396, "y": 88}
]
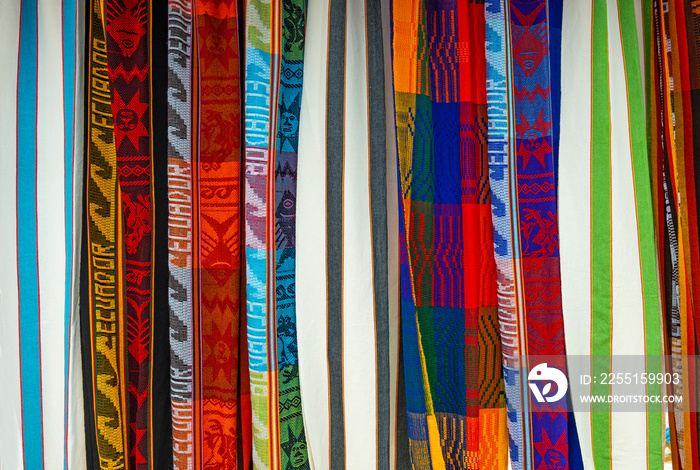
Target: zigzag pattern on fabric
[
  {"x": 128, "y": 38},
  {"x": 536, "y": 211},
  {"x": 180, "y": 223},
  {"x": 105, "y": 304}
]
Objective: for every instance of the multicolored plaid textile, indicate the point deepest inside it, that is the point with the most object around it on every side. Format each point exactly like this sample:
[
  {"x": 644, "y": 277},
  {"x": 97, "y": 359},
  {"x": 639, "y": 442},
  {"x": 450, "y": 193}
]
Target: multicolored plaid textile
[
  {"x": 609, "y": 281},
  {"x": 673, "y": 87},
  {"x": 274, "y": 77},
  {"x": 41, "y": 417},
  {"x": 452, "y": 348}
]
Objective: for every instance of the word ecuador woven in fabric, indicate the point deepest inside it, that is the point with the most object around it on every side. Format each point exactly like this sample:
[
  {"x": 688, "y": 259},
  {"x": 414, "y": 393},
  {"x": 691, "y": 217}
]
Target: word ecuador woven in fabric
[
  {"x": 106, "y": 332},
  {"x": 128, "y": 51},
  {"x": 501, "y": 139},
  {"x": 452, "y": 347},
  {"x": 608, "y": 261},
  {"x": 346, "y": 366},
  {"x": 209, "y": 394},
  {"x": 118, "y": 321},
  {"x": 41, "y": 416},
  {"x": 180, "y": 236},
  {"x": 673, "y": 93},
  {"x": 274, "y": 72}
]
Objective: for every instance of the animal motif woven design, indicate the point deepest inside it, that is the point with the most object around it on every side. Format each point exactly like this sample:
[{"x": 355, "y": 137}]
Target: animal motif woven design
[
  {"x": 210, "y": 406},
  {"x": 536, "y": 212},
  {"x": 609, "y": 283},
  {"x": 107, "y": 331},
  {"x": 128, "y": 50},
  {"x": 218, "y": 176},
  {"x": 274, "y": 77}
]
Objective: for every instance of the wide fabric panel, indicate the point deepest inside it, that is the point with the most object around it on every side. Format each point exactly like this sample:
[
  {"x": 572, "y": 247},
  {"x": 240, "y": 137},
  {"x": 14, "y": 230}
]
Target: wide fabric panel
[
  {"x": 609, "y": 270},
  {"x": 452, "y": 348},
  {"x": 346, "y": 312}
]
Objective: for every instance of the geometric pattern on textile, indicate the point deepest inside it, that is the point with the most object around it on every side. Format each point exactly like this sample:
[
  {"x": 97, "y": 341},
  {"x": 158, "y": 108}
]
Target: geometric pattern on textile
[
  {"x": 274, "y": 73},
  {"x": 127, "y": 37},
  {"x": 451, "y": 337},
  {"x": 536, "y": 213}
]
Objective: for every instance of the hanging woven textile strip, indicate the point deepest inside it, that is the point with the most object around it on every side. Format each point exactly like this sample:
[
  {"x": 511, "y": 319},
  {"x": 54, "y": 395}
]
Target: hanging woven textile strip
[
  {"x": 274, "y": 72},
  {"x": 40, "y": 187},
  {"x": 216, "y": 173},
  {"x": 399, "y": 450},
  {"x": 501, "y": 139},
  {"x": 451, "y": 341},
  {"x": 209, "y": 401},
  {"x": 342, "y": 287},
  {"x": 666, "y": 209},
  {"x": 673, "y": 84},
  {"x": 104, "y": 328},
  {"x": 180, "y": 237},
  {"x": 609, "y": 280},
  {"x": 128, "y": 50},
  {"x": 535, "y": 238}
]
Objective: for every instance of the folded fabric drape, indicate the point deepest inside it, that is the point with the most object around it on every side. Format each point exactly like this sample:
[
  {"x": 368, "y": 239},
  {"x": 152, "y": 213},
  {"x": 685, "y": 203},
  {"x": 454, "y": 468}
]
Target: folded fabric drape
[{"x": 452, "y": 349}]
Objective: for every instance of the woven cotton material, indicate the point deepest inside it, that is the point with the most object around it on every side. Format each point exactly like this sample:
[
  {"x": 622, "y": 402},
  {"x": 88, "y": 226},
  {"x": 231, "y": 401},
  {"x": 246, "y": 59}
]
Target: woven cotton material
[
  {"x": 104, "y": 327},
  {"x": 209, "y": 385},
  {"x": 128, "y": 63},
  {"x": 536, "y": 218},
  {"x": 344, "y": 316},
  {"x": 274, "y": 77},
  {"x": 180, "y": 236},
  {"x": 501, "y": 140},
  {"x": 609, "y": 282},
  {"x": 41, "y": 170},
  {"x": 672, "y": 96},
  {"x": 452, "y": 348}
]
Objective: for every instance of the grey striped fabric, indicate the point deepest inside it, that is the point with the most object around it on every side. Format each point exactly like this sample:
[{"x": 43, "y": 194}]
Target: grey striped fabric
[{"x": 347, "y": 289}]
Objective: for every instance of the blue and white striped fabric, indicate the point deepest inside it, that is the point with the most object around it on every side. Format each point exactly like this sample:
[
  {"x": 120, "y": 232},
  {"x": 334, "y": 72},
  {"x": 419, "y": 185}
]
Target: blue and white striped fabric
[{"x": 41, "y": 411}]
